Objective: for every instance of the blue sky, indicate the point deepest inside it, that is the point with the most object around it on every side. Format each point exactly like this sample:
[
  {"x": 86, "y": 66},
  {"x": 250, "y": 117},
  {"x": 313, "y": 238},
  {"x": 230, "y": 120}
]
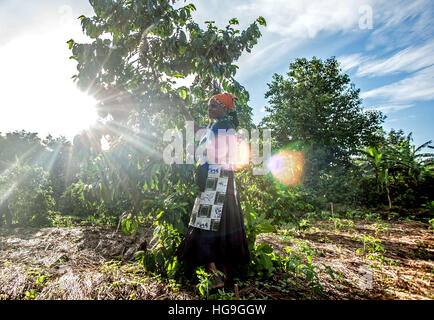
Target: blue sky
[{"x": 387, "y": 48}]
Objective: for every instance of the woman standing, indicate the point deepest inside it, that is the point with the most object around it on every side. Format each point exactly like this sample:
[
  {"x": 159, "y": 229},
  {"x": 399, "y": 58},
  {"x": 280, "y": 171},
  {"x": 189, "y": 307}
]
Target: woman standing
[{"x": 216, "y": 235}]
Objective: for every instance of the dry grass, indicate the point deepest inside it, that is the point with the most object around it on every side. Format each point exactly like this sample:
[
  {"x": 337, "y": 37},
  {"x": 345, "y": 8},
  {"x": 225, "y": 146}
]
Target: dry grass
[
  {"x": 98, "y": 263},
  {"x": 76, "y": 263}
]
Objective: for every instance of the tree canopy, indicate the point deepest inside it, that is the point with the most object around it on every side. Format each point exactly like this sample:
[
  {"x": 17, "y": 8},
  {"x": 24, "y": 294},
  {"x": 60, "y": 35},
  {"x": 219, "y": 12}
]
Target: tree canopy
[
  {"x": 140, "y": 49},
  {"x": 318, "y": 105}
]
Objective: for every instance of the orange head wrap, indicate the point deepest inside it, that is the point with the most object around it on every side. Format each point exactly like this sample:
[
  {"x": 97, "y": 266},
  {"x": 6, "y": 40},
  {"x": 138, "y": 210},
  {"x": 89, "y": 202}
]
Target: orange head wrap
[{"x": 226, "y": 98}]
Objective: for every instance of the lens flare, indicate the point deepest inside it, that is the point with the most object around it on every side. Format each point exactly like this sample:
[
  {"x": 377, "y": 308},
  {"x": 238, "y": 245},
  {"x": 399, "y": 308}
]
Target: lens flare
[
  {"x": 287, "y": 166},
  {"x": 230, "y": 152}
]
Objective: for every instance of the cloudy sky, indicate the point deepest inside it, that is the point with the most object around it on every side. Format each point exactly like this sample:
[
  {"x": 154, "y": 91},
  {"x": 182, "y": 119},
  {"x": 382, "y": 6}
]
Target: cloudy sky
[{"x": 387, "y": 48}]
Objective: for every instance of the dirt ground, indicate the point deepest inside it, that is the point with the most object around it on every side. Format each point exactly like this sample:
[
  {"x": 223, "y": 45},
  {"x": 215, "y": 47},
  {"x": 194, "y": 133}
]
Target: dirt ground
[
  {"x": 407, "y": 271},
  {"x": 98, "y": 263},
  {"x": 75, "y": 263}
]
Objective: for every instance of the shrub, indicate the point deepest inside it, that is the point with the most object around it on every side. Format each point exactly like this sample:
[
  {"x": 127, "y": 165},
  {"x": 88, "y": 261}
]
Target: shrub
[
  {"x": 75, "y": 201},
  {"x": 29, "y": 195},
  {"x": 431, "y": 224}
]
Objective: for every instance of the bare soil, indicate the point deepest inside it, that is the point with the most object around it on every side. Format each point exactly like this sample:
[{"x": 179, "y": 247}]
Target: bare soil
[
  {"x": 98, "y": 263},
  {"x": 406, "y": 273},
  {"x": 76, "y": 263}
]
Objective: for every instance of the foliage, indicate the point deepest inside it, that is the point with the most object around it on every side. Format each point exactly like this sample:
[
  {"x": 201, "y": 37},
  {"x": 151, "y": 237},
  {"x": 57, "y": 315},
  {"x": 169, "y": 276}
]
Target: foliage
[
  {"x": 255, "y": 224},
  {"x": 138, "y": 53},
  {"x": 277, "y": 201},
  {"x": 372, "y": 247},
  {"x": 342, "y": 224},
  {"x": 205, "y": 282},
  {"x": 64, "y": 221},
  {"x": 431, "y": 224},
  {"x": 26, "y": 146},
  {"x": 381, "y": 227},
  {"x": 318, "y": 105},
  {"x": 38, "y": 277},
  {"x": 295, "y": 265},
  {"x": 403, "y": 173},
  {"x": 29, "y": 194},
  {"x": 161, "y": 259},
  {"x": 265, "y": 261},
  {"x": 51, "y": 154},
  {"x": 76, "y": 200},
  {"x": 140, "y": 49},
  {"x": 304, "y": 224}
]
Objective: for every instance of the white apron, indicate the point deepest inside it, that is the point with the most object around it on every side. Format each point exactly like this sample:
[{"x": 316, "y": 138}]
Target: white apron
[{"x": 208, "y": 205}]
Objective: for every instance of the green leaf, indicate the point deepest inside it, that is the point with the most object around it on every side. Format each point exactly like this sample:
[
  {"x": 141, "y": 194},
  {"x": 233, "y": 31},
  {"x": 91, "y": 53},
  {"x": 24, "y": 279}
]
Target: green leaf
[
  {"x": 330, "y": 271},
  {"x": 182, "y": 49},
  {"x": 234, "y": 21},
  {"x": 190, "y": 7},
  {"x": 183, "y": 15},
  {"x": 140, "y": 255},
  {"x": 266, "y": 227},
  {"x": 261, "y": 21},
  {"x": 70, "y": 43},
  {"x": 265, "y": 248}
]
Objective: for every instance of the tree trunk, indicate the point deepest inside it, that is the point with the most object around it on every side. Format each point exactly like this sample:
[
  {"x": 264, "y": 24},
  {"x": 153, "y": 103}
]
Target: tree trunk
[
  {"x": 377, "y": 180},
  {"x": 388, "y": 196}
]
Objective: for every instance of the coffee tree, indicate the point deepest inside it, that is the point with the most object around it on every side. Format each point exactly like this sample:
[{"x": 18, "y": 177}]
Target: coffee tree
[
  {"x": 143, "y": 58},
  {"x": 140, "y": 49}
]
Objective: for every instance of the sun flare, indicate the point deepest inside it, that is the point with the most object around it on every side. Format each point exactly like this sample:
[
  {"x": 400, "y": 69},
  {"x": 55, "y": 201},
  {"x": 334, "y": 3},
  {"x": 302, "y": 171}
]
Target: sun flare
[
  {"x": 41, "y": 97},
  {"x": 287, "y": 166},
  {"x": 81, "y": 112}
]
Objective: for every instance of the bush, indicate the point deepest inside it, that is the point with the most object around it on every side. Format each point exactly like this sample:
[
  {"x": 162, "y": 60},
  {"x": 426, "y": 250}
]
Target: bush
[
  {"x": 278, "y": 202},
  {"x": 75, "y": 201},
  {"x": 29, "y": 195}
]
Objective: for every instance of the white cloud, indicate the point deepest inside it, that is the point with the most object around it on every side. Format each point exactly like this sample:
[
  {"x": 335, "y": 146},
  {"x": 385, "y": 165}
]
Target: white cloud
[
  {"x": 264, "y": 57},
  {"x": 290, "y": 24},
  {"x": 400, "y": 23},
  {"x": 408, "y": 60},
  {"x": 351, "y": 61},
  {"x": 418, "y": 87},
  {"x": 305, "y": 19},
  {"x": 387, "y": 109},
  {"x": 21, "y": 17},
  {"x": 293, "y": 23}
]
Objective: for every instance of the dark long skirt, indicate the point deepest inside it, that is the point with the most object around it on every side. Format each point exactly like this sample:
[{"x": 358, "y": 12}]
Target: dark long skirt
[{"x": 226, "y": 246}]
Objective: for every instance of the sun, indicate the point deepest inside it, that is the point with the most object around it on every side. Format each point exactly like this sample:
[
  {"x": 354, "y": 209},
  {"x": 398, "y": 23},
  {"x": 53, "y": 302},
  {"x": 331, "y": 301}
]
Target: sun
[
  {"x": 80, "y": 111},
  {"x": 38, "y": 94}
]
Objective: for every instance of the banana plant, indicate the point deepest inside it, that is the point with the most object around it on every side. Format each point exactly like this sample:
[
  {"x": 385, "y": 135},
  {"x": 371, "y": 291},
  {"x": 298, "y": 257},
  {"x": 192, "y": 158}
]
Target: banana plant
[
  {"x": 372, "y": 159},
  {"x": 384, "y": 178}
]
